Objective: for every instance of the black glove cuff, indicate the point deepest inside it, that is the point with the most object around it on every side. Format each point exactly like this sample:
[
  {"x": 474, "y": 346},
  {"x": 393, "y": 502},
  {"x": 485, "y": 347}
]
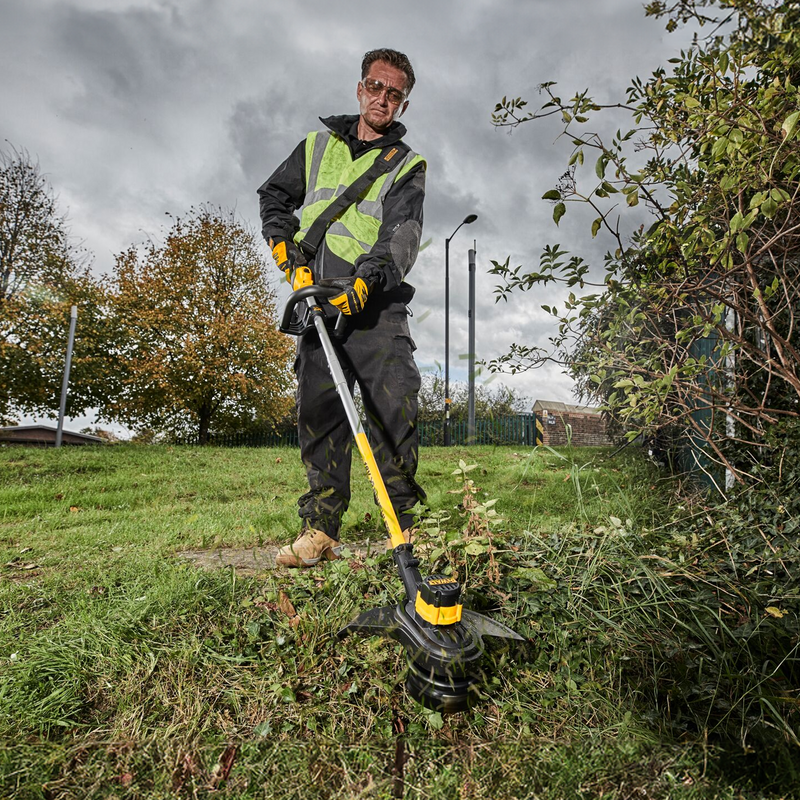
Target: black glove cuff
[{"x": 374, "y": 278}]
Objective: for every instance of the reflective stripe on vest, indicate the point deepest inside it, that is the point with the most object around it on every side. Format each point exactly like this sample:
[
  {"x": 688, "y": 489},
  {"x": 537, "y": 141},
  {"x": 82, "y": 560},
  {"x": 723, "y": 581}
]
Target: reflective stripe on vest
[{"x": 330, "y": 169}]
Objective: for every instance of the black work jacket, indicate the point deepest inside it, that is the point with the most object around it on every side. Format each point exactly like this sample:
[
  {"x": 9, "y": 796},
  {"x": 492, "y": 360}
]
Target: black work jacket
[{"x": 389, "y": 261}]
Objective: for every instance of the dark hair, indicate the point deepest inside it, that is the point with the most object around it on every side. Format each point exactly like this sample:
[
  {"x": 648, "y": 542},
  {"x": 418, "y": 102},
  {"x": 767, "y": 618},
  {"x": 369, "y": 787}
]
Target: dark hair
[{"x": 392, "y": 57}]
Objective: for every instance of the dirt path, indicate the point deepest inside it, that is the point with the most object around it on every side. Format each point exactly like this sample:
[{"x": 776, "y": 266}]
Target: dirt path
[{"x": 255, "y": 559}]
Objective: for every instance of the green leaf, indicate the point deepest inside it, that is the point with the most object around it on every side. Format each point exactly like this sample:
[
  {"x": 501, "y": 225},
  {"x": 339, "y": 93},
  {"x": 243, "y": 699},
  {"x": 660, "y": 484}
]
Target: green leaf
[
  {"x": 790, "y": 123},
  {"x": 559, "y": 212},
  {"x": 534, "y": 578},
  {"x": 553, "y": 194},
  {"x": 768, "y": 208},
  {"x": 600, "y": 167},
  {"x": 596, "y": 226},
  {"x": 719, "y": 147},
  {"x": 742, "y": 240},
  {"x": 435, "y": 720},
  {"x": 633, "y": 199}
]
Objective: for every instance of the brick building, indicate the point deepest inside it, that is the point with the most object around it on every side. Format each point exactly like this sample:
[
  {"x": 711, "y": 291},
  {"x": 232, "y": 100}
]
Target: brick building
[{"x": 587, "y": 425}]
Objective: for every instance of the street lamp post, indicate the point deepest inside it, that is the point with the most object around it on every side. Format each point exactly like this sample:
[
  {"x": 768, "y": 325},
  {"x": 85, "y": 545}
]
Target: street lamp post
[
  {"x": 471, "y": 350},
  {"x": 468, "y": 220}
]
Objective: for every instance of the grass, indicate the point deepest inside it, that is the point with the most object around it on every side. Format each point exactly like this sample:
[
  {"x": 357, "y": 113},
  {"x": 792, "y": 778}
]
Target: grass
[{"x": 127, "y": 672}]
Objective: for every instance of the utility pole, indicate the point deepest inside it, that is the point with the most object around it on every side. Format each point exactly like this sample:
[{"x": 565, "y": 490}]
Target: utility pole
[
  {"x": 468, "y": 220},
  {"x": 471, "y": 352},
  {"x": 73, "y": 321}
]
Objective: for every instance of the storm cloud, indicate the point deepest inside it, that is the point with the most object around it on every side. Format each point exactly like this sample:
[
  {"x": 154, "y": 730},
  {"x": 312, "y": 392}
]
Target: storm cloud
[{"x": 137, "y": 108}]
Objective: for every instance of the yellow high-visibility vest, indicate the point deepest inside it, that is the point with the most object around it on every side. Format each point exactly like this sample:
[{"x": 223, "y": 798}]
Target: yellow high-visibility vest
[{"x": 330, "y": 169}]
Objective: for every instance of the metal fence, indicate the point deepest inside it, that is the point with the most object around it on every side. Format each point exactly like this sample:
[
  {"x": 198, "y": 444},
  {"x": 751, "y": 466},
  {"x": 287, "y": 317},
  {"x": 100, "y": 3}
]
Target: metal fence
[
  {"x": 519, "y": 429},
  {"x": 287, "y": 438}
]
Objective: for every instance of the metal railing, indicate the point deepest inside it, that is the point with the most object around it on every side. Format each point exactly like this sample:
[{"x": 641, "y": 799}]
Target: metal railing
[
  {"x": 517, "y": 429},
  {"x": 507, "y": 430}
]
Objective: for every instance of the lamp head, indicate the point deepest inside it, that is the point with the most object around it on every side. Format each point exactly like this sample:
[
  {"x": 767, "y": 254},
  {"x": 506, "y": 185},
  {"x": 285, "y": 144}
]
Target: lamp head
[{"x": 468, "y": 220}]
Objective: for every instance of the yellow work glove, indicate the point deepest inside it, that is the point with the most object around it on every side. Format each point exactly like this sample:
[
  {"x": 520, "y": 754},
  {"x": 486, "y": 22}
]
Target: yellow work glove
[
  {"x": 292, "y": 262},
  {"x": 354, "y": 294}
]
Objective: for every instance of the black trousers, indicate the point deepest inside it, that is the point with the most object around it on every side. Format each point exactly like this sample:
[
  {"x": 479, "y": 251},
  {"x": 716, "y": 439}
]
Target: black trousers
[{"x": 376, "y": 351}]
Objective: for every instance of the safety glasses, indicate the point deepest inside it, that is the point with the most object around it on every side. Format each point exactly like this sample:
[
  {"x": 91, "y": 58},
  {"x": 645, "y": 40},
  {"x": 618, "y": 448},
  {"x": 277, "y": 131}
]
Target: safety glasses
[{"x": 376, "y": 88}]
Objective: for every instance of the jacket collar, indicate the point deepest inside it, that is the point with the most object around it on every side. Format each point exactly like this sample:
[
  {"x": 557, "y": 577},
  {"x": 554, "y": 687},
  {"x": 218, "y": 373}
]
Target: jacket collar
[{"x": 346, "y": 126}]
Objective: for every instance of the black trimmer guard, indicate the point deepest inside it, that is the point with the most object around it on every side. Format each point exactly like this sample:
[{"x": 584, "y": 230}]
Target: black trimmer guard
[{"x": 442, "y": 660}]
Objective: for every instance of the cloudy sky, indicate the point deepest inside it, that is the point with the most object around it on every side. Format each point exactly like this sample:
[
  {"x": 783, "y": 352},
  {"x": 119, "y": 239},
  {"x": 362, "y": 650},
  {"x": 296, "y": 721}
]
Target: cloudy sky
[{"x": 135, "y": 108}]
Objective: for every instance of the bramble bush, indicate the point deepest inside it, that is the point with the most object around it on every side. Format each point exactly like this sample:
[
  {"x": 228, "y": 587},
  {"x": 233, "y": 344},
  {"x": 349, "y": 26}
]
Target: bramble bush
[{"x": 693, "y": 321}]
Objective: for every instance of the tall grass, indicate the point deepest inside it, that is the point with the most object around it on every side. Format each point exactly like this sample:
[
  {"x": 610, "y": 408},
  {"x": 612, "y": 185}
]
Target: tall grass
[{"x": 125, "y": 671}]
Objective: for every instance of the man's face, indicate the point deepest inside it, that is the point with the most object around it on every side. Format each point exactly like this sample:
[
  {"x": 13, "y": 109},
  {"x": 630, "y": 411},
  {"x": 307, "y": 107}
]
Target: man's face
[{"x": 377, "y": 110}]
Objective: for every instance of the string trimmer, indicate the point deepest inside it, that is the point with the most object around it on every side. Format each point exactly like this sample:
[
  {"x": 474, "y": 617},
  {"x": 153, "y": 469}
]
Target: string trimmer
[{"x": 442, "y": 639}]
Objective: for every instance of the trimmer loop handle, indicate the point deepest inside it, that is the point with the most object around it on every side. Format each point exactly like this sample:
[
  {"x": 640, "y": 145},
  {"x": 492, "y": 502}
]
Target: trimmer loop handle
[{"x": 296, "y": 324}]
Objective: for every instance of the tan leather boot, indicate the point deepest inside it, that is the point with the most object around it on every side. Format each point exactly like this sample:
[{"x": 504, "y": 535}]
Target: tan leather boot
[{"x": 309, "y": 549}]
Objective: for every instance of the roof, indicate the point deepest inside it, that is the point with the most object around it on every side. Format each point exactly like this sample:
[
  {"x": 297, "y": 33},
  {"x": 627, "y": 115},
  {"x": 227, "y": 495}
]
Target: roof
[
  {"x": 44, "y": 434},
  {"x": 563, "y": 408}
]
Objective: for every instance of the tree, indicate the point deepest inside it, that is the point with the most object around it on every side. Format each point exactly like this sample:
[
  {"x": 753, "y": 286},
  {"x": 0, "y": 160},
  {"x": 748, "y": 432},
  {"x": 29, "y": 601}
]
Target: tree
[
  {"x": 498, "y": 402},
  {"x": 200, "y": 350},
  {"x": 694, "y": 322},
  {"x": 32, "y": 357},
  {"x": 34, "y": 244},
  {"x": 41, "y": 276}
]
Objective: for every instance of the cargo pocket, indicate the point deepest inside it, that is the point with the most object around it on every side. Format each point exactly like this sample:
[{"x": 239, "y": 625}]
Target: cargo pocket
[{"x": 406, "y": 370}]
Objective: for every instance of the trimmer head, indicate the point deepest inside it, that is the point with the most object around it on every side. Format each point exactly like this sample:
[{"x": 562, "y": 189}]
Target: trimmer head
[{"x": 443, "y": 641}]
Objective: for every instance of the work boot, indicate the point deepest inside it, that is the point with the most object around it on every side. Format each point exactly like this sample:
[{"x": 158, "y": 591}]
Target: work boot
[
  {"x": 406, "y": 535},
  {"x": 309, "y": 549}
]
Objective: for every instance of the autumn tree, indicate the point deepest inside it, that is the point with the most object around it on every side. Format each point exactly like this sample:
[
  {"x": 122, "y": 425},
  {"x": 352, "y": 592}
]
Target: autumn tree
[
  {"x": 692, "y": 322},
  {"x": 41, "y": 275},
  {"x": 200, "y": 350}
]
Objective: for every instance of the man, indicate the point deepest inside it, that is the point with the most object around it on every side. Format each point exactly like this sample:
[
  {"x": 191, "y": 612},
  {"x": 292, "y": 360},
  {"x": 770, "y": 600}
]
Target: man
[{"x": 367, "y": 250}]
